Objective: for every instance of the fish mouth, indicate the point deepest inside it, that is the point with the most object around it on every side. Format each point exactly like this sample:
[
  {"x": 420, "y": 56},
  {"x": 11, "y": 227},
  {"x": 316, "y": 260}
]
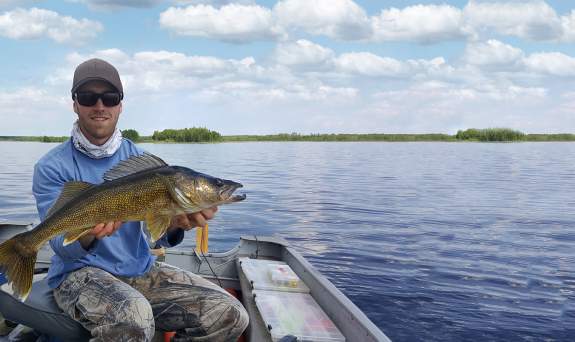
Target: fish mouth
[{"x": 227, "y": 193}]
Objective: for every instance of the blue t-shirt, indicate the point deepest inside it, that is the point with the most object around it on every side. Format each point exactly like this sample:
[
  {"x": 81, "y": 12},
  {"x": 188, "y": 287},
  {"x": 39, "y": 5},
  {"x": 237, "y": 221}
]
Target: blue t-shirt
[{"x": 126, "y": 252}]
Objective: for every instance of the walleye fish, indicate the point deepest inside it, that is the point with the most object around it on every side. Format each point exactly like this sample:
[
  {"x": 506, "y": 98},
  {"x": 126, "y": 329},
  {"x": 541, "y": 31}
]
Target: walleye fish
[{"x": 141, "y": 188}]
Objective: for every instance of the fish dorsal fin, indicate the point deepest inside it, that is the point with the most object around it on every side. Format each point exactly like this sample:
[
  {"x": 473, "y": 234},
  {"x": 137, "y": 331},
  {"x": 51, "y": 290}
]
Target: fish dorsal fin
[
  {"x": 146, "y": 161},
  {"x": 69, "y": 192}
]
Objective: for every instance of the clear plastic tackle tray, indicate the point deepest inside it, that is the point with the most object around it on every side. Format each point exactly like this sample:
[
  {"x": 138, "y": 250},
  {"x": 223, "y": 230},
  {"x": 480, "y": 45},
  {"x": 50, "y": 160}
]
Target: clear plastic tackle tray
[
  {"x": 272, "y": 275},
  {"x": 297, "y": 314}
]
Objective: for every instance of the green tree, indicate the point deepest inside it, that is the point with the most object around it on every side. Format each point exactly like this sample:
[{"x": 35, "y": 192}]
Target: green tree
[
  {"x": 131, "y": 134},
  {"x": 193, "y": 134},
  {"x": 490, "y": 134}
]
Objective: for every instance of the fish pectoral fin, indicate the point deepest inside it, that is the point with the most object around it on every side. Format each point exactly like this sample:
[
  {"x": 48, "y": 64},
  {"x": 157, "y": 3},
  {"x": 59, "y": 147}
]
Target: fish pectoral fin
[
  {"x": 157, "y": 225},
  {"x": 69, "y": 192},
  {"x": 74, "y": 235}
]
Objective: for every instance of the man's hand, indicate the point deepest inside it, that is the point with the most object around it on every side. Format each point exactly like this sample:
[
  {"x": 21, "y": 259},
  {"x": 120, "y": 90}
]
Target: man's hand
[
  {"x": 105, "y": 229},
  {"x": 190, "y": 221},
  {"x": 99, "y": 231}
]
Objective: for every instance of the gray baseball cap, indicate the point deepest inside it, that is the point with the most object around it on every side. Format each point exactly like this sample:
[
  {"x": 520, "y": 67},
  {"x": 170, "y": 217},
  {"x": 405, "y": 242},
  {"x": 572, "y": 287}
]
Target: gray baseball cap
[{"x": 96, "y": 69}]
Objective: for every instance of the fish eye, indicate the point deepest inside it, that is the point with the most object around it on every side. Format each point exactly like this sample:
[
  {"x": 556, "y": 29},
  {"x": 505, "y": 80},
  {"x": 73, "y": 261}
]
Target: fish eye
[{"x": 219, "y": 182}]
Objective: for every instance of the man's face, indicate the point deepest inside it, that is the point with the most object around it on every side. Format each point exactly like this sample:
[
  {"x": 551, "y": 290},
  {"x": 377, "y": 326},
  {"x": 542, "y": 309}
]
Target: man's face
[{"x": 97, "y": 122}]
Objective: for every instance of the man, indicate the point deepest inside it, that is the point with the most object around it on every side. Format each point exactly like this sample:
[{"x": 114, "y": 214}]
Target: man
[{"x": 108, "y": 280}]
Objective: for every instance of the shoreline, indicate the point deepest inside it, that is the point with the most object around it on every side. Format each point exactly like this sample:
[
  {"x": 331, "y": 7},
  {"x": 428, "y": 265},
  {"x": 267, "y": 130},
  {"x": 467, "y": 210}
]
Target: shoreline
[{"x": 322, "y": 138}]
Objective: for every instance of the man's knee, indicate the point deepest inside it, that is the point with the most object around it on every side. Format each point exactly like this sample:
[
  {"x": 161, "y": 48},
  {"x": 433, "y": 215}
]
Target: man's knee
[
  {"x": 221, "y": 318},
  {"x": 242, "y": 319},
  {"x": 135, "y": 313},
  {"x": 232, "y": 316},
  {"x": 133, "y": 319}
]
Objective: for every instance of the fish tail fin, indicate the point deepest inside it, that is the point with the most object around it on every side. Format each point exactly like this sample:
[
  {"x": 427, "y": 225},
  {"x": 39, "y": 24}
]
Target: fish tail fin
[{"x": 17, "y": 263}]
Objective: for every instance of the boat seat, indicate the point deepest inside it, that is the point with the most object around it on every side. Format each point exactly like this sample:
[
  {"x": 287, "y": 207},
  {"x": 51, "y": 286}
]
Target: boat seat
[{"x": 41, "y": 313}]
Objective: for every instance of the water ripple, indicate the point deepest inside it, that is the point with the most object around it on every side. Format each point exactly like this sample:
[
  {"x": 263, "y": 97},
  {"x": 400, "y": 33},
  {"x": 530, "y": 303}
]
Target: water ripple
[{"x": 434, "y": 241}]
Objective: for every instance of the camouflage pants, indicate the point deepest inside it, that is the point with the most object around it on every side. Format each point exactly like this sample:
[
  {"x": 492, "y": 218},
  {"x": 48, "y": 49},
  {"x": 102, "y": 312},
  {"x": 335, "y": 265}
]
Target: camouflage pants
[{"x": 166, "y": 298}]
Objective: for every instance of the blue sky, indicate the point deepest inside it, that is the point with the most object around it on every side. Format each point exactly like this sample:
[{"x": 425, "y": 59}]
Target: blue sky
[{"x": 308, "y": 66}]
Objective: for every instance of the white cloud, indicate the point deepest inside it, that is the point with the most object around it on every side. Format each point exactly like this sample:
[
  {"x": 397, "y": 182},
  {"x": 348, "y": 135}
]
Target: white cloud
[
  {"x": 244, "y": 21},
  {"x": 41, "y": 114},
  {"x": 114, "y": 56},
  {"x": 533, "y": 19},
  {"x": 568, "y": 104},
  {"x": 245, "y": 91},
  {"x": 435, "y": 106},
  {"x": 37, "y": 23},
  {"x": 180, "y": 63},
  {"x": 303, "y": 53},
  {"x": 210, "y": 78},
  {"x": 306, "y": 87},
  {"x": 368, "y": 64},
  {"x": 14, "y": 99},
  {"x": 62, "y": 76},
  {"x": 493, "y": 54},
  {"x": 115, "y": 4},
  {"x": 339, "y": 19},
  {"x": 568, "y": 25},
  {"x": 443, "y": 93},
  {"x": 163, "y": 71},
  {"x": 551, "y": 63},
  {"x": 232, "y": 22},
  {"x": 420, "y": 23},
  {"x": 203, "y": 90}
]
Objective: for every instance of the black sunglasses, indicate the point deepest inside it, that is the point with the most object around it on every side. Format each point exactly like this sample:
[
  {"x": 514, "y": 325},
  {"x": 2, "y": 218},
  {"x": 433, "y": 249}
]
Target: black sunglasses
[{"x": 109, "y": 99}]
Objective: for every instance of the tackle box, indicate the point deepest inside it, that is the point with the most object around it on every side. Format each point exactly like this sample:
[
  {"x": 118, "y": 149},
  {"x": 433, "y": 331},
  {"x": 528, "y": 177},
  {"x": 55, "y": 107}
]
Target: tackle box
[
  {"x": 297, "y": 314},
  {"x": 272, "y": 275}
]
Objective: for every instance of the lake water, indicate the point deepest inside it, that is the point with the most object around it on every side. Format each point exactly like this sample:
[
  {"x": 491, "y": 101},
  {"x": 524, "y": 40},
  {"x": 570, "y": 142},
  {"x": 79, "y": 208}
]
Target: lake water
[{"x": 433, "y": 241}]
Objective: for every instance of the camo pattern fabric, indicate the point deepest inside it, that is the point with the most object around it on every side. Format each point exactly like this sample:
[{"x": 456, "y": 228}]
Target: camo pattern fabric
[{"x": 166, "y": 299}]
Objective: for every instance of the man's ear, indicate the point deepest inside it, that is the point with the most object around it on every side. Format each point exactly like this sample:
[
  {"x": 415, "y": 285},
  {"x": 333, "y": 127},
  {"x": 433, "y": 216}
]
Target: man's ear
[
  {"x": 75, "y": 106},
  {"x": 120, "y": 112}
]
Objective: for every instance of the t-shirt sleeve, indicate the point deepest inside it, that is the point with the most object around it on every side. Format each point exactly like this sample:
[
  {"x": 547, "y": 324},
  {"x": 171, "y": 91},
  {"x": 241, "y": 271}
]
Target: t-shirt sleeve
[{"x": 47, "y": 183}]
